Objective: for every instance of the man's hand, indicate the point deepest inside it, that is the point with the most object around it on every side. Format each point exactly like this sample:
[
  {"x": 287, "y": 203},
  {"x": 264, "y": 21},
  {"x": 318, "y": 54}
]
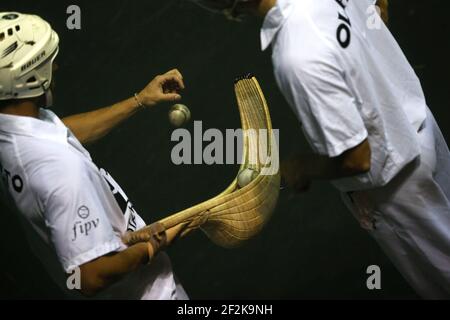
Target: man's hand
[
  {"x": 156, "y": 234},
  {"x": 160, "y": 238},
  {"x": 157, "y": 238},
  {"x": 294, "y": 175},
  {"x": 298, "y": 171},
  {"x": 163, "y": 88}
]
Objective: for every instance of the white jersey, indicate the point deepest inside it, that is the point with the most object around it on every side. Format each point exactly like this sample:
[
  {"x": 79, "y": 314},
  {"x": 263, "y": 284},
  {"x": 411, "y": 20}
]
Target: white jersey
[
  {"x": 347, "y": 80},
  {"x": 73, "y": 211}
]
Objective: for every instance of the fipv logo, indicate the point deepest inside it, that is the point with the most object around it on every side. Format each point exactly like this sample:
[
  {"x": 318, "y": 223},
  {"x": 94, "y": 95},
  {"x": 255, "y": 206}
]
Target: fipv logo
[
  {"x": 83, "y": 212},
  {"x": 84, "y": 227}
]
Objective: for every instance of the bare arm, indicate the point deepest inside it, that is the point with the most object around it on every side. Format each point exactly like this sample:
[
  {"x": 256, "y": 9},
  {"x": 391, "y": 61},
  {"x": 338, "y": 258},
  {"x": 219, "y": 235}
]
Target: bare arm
[
  {"x": 92, "y": 126},
  {"x": 104, "y": 271},
  {"x": 300, "y": 170}
]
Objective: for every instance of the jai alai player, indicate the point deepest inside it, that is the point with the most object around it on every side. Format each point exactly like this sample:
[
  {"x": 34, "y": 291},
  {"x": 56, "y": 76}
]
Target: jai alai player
[
  {"x": 363, "y": 111},
  {"x": 74, "y": 213}
]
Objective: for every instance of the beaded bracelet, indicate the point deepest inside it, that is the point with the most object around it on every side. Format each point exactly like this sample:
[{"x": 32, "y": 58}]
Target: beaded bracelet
[{"x": 138, "y": 102}]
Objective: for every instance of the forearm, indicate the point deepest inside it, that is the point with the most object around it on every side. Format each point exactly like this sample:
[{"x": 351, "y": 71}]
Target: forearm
[
  {"x": 122, "y": 263},
  {"x": 300, "y": 170},
  {"x": 91, "y": 126},
  {"x": 317, "y": 167},
  {"x": 101, "y": 273}
]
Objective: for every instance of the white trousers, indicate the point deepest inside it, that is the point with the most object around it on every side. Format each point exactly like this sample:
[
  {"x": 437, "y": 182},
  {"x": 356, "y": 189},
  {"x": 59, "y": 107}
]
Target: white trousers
[{"x": 410, "y": 217}]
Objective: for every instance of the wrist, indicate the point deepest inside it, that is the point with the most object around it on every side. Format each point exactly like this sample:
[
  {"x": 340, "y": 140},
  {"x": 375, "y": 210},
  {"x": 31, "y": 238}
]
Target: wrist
[
  {"x": 138, "y": 102},
  {"x": 141, "y": 102},
  {"x": 146, "y": 252}
]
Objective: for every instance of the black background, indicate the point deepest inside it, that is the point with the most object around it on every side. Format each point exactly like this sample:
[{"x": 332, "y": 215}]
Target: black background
[{"x": 312, "y": 248}]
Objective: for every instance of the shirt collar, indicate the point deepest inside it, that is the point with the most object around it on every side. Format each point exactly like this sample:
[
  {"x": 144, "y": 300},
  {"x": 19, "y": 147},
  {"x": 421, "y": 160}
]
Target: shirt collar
[
  {"x": 48, "y": 126},
  {"x": 274, "y": 21}
]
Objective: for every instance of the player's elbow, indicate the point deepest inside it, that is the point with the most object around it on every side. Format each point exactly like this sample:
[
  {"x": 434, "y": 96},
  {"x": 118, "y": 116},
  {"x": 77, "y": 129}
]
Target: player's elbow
[
  {"x": 91, "y": 282},
  {"x": 358, "y": 160},
  {"x": 353, "y": 168},
  {"x": 91, "y": 287}
]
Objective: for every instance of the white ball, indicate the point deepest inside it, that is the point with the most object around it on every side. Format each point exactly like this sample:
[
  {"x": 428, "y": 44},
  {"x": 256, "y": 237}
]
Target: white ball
[
  {"x": 179, "y": 115},
  {"x": 246, "y": 176}
]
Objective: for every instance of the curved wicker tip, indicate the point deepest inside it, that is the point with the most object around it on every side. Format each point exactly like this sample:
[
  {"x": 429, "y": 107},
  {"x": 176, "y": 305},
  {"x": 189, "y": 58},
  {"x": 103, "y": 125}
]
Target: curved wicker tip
[
  {"x": 247, "y": 76},
  {"x": 238, "y": 214}
]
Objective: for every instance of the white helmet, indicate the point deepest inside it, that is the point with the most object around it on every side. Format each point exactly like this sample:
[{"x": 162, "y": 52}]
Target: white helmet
[{"x": 28, "y": 47}]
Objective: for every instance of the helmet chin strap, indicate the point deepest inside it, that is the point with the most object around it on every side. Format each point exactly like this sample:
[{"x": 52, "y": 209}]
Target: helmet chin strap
[
  {"x": 49, "y": 98},
  {"x": 48, "y": 95}
]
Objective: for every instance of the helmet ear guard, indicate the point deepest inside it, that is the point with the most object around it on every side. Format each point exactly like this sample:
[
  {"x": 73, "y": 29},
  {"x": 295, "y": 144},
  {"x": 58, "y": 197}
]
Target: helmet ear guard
[{"x": 28, "y": 47}]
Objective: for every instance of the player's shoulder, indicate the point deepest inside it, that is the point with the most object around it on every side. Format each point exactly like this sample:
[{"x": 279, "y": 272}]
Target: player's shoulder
[
  {"x": 306, "y": 61},
  {"x": 34, "y": 148},
  {"x": 45, "y": 159},
  {"x": 309, "y": 35},
  {"x": 303, "y": 50}
]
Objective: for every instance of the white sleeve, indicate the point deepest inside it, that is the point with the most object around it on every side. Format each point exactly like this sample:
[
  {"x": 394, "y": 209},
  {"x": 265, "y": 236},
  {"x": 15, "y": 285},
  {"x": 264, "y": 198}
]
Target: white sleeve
[
  {"x": 316, "y": 90},
  {"x": 74, "y": 214}
]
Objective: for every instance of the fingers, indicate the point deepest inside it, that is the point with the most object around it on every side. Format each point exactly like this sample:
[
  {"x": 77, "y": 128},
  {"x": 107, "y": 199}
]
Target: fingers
[
  {"x": 163, "y": 88},
  {"x": 185, "y": 232},
  {"x": 131, "y": 238},
  {"x": 159, "y": 240},
  {"x": 158, "y": 236},
  {"x": 170, "y": 97},
  {"x": 178, "y": 75},
  {"x": 156, "y": 228},
  {"x": 173, "y": 77},
  {"x": 171, "y": 83},
  {"x": 154, "y": 233},
  {"x": 176, "y": 232}
]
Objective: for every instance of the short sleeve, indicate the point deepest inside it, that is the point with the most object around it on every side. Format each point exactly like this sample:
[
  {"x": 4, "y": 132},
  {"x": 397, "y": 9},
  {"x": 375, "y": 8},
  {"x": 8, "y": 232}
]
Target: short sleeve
[
  {"x": 316, "y": 90},
  {"x": 75, "y": 213}
]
